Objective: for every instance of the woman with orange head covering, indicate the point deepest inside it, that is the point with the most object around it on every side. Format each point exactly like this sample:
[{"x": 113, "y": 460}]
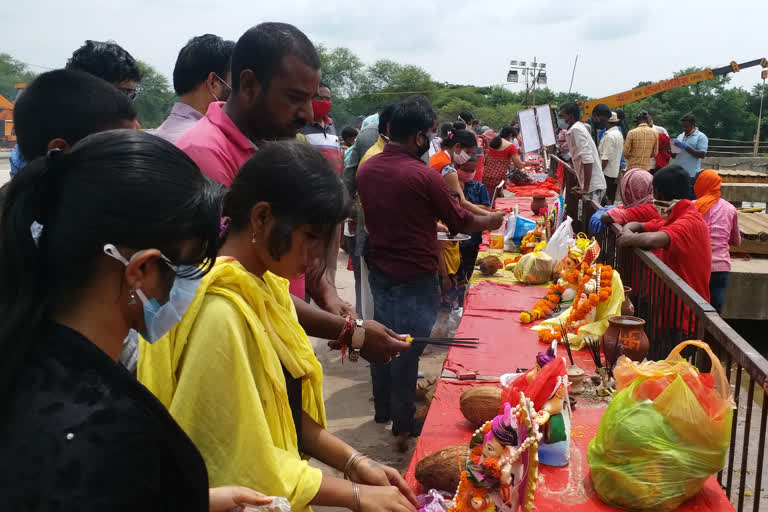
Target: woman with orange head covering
[{"x": 723, "y": 222}]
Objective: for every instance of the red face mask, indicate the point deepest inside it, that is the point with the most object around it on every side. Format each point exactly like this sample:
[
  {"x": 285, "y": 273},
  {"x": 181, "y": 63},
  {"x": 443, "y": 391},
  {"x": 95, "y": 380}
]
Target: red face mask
[{"x": 321, "y": 108}]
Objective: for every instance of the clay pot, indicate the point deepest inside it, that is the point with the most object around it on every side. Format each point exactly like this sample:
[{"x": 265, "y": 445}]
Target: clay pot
[
  {"x": 627, "y": 308},
  {"x": 576, "y": 376},
  {"x": 625, "y": 335},
  {"x": 537, "y": 204}
]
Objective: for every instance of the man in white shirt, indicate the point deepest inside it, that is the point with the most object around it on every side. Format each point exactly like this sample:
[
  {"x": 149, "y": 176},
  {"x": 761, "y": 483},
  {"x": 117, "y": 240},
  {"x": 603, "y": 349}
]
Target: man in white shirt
[
  {"x": 660, "y": 130},
  {"x": 611, "y": 148},
  {"x": 584, "y": 155}
]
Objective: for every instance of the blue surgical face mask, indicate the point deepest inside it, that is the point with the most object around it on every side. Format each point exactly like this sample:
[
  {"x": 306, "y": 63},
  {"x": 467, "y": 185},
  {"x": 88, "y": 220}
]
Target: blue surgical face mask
[
  {"x": 562, "y": 123},
  {"x": 159, "y": 319}
]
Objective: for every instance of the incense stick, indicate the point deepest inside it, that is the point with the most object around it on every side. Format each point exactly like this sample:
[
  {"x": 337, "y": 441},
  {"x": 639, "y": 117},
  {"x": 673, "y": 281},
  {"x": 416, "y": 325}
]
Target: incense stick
[
  {"x": 593, "y": 344},
  {"x": 566, "y": 341}
]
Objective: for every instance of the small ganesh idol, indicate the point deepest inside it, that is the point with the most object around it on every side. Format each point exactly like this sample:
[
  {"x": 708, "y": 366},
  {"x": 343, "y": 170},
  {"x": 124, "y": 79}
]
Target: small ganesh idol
[
  {"x": 502, "y": 469},
  {"x": 547, "y": 386}
]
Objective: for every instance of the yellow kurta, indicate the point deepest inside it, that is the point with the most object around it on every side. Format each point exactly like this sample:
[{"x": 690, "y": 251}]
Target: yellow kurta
[{"x": 219, "y": 374}]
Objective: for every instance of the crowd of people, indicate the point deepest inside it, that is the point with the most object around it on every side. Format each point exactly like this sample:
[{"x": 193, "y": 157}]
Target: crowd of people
[{"x": 158, "y": 288}]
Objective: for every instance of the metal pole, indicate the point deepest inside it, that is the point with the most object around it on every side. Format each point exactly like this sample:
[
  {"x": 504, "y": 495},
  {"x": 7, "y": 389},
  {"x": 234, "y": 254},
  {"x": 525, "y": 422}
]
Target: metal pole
[
  {"x": 759, "y": 119},
  {"x": 573, "y": 73}
]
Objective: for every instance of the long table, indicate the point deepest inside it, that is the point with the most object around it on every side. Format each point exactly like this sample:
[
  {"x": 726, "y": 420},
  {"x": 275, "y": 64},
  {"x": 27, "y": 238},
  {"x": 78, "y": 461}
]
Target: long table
[{"x": 491, "y": 312}]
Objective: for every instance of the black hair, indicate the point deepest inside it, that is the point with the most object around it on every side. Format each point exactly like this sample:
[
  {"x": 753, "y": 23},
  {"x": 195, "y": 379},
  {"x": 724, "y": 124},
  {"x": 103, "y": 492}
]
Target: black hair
[
  {"x": 263, "y": 47},
  {"x": 688, "y": 118},
  {"x": 505, "y": 133},
  {"x": 463, "y": 137},
  {"x": 602, "y": 110},
  {"x": 324, "y": 84},
  {"x": 107, "y": 60},
  {"x": 349, "y": 131},
  {"x": 459, "y": 125},
  {"x": 467, "y": 116},
  {"x": 278, "y": 173},
  {"x": 69, "y": 105},
  {"x": 673, "y": 181},
  {"x": 445, "y": 128},
  {"x": 385, "y": 117},
  {"x": 572, "y": 108},
  {"x": 410, "y": 118},
  {"x": 124, "y": 187},
  {"x": 641, "y": 117},
  {"x": 201, "y": 56}
]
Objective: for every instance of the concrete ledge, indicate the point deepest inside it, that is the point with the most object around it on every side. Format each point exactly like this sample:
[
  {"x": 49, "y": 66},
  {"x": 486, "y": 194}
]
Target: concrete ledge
[
  {"x": 740, "y": 192},
  {"x": 747, "y": 295}
]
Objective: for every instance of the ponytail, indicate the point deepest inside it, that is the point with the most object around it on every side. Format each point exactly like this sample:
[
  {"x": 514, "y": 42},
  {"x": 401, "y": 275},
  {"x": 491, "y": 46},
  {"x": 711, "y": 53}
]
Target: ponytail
[
  {"x": 463, "y": 137},
  {"x": 506, "y": 132}
]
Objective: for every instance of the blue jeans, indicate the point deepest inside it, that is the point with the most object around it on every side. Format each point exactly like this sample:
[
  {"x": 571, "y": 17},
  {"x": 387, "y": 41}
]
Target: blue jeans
[
  {"x": 407, "y": 307},
  {"x": 718, "y": 284}
]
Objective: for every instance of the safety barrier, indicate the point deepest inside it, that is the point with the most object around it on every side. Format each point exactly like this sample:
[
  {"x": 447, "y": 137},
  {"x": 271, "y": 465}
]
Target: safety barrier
[{"x": 673, "y": 312}]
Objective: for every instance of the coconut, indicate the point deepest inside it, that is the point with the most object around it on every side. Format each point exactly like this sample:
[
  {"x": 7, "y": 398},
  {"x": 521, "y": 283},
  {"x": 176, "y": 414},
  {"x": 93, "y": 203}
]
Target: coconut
[
  {"x": 490, "y": 265},
  {"x": 442, "y": 470},
  {"x": 480, "y": 404}
]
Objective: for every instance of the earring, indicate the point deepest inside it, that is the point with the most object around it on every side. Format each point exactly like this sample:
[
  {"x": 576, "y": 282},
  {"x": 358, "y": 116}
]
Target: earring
[
  {"x": 253, "y": 239},
  {"x": 132, "y": 297}
]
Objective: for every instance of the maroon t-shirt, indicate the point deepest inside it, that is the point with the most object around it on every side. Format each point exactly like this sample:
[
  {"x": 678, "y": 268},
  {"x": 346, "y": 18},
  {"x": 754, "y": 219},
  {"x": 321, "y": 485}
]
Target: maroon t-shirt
[{"x": 402, "y": 200}]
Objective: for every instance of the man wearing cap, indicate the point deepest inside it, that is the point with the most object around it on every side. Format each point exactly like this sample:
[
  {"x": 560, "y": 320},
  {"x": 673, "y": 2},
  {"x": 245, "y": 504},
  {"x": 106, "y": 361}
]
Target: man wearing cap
[
  {"x": 611, "y": 146},
  {"x": 642, "y": 144}
]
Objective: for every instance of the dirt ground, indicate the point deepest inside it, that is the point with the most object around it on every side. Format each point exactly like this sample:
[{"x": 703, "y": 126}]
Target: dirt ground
[{"x": 348, "y": 397}]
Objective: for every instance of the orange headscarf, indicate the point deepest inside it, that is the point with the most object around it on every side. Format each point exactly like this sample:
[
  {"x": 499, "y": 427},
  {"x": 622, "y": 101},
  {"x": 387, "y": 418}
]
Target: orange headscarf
[{"x": 707, "y": 189}]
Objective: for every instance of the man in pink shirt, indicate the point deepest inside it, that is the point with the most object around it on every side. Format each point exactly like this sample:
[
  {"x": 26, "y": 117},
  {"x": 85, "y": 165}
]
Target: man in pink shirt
[
  {"x": 275, "y": 75},
  {"x": 722, "y": 219}
]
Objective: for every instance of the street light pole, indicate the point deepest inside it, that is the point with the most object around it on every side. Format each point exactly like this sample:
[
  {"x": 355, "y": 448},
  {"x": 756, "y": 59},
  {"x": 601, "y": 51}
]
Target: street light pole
[{"x": 760, "y": 117}]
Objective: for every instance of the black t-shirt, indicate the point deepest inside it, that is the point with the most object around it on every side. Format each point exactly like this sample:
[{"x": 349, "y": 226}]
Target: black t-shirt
[{"x": 79, "y": 433}]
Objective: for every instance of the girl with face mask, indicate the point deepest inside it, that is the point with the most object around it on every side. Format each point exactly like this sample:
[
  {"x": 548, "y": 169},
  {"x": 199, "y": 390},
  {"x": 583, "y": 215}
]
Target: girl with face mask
[
  {"x": 502, "y": 155},
  {"x": 239, "y": 373},
  {"x": 110, "y": 237}
]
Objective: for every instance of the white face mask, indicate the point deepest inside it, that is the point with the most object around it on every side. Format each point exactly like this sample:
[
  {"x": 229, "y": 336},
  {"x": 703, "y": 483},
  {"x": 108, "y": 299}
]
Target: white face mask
[
  {"x": 159, "y": 319},
  {"x": 461, "y": 158},
  {"x": 664, "y": 208}
]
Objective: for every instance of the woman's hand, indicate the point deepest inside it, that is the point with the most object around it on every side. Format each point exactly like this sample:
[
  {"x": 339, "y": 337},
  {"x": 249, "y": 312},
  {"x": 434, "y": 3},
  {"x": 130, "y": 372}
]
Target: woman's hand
[
  {"x": 383, "y": 499},
  {"x": 369, "y": 472},
  {"x": 381, "y": 344},
  {"x": 224, "y": 499}
]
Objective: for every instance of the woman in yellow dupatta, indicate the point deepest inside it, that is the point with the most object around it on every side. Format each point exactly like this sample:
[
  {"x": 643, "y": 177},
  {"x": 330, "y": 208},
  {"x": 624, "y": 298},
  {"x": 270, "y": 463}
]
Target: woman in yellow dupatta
[{"x": 238, "y": 373}]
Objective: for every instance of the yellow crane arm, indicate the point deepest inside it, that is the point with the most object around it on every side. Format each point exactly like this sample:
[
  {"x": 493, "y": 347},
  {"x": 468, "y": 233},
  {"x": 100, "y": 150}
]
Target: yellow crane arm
[
  {"x": 639, "y": 93},
  {"x": 5, "y": 103}
]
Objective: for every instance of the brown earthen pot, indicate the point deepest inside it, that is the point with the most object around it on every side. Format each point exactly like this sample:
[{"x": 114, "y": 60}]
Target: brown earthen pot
[
  {"x": 625, "y": 335},
  {"x": 537, "y": 204},
  {"x": 627, "y": 308}
]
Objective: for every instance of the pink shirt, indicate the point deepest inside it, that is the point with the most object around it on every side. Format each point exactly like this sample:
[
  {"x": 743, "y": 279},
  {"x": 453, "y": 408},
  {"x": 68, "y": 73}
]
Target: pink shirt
[
  {"x": 723, "y": 223},
  {"x": 219, "y": 149},
  {"x": 216, "y": 145}
]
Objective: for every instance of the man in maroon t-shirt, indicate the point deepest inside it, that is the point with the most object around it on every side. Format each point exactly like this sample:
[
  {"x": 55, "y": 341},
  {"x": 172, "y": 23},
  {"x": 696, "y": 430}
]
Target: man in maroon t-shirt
[
  {"x": 680, "y": 237},
  {"x": 402, "y": 201}
]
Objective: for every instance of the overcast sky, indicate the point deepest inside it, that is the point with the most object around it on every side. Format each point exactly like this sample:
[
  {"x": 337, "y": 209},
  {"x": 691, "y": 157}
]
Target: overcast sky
[{"x": 619, "y": 43}]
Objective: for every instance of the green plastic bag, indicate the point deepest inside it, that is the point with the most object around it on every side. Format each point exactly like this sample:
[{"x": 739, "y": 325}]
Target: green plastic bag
[{"x": 654, "y": 454}]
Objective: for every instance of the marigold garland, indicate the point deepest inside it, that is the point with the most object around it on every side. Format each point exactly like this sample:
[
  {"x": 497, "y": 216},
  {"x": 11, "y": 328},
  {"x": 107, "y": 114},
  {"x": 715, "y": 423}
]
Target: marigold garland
[{"x": 545, "y": 306}]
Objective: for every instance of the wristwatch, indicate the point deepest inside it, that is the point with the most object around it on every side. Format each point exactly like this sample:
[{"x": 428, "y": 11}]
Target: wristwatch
[{"x": 358, "y": 340}]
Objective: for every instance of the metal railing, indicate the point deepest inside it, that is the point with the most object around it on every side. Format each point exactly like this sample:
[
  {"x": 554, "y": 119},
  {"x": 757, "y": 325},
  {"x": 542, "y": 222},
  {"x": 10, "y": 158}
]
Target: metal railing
[
  {"x": 730, "y": 147},
  {"x": 674, "y": 312}
]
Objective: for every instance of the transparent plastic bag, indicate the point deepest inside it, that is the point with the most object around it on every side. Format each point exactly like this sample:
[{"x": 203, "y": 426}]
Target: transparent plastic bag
[
  {"x": 558, "y": 244},
  {"x": 665, "y": 432},
  {"x": 534, "y": 268}
]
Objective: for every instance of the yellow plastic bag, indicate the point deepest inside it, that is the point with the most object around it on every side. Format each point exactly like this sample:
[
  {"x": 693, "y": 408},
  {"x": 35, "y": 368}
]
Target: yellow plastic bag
[
  {"x": 665, "y": 432},
  {"x": 534, "y": 268}
]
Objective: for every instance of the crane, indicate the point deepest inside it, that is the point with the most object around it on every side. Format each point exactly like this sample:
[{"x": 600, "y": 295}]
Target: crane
[
  {"x": 7, "y": 137},
  {"x": 639, "y": 93}
]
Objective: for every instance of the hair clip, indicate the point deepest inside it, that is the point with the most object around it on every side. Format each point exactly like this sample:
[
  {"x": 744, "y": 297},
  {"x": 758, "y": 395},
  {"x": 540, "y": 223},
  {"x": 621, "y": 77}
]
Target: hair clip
[
  {"x": 450, "y": 135},
  {"x": 224, "y": 226}
]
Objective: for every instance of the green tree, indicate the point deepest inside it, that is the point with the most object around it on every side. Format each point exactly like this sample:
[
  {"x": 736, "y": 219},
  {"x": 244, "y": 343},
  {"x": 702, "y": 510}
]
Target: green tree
[
  {"x": 12, "y": 72},
  {"x": 342, "y": 70},
  {"x": 156, "y": 98}
]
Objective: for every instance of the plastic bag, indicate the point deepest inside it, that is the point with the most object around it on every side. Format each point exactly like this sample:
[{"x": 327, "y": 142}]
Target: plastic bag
[
  {"x": 557, "y": 246},
  {"x": 517, "y": 228},
  {"x": 665, "y": 432},
  {"x": 534, "y": 268}
]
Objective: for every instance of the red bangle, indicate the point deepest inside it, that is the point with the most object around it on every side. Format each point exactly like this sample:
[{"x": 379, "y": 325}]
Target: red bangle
[{"x": 345, "y": 338}]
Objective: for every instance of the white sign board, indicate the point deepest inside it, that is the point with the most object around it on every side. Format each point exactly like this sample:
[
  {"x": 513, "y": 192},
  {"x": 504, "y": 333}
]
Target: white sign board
[
  {"x": 529, "y": 130},
  {"x": 544, "y": 116}
]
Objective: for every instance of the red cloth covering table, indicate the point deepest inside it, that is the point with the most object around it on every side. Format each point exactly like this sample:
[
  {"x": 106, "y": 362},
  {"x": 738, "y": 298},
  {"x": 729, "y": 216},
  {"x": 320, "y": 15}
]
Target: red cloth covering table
[{"x": 492, "y": 313}]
